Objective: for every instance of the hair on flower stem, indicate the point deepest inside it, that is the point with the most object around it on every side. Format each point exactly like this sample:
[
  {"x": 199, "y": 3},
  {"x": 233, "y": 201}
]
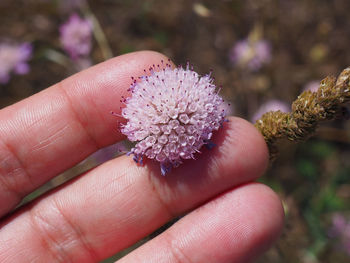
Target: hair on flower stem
[
  {"x": 14, "y": 59},
  {"x": 308, "y": 110}
]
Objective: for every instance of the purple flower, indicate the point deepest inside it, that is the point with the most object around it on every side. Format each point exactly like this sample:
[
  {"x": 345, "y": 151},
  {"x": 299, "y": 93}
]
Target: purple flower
[
  {"x": 76, "y": 36},
  {"x": 13, "y": 58},
  {"x": 312, "y": 86},
  {"x": 338, "y": 227},
  {"x": 271, "y": 105},
  {"x": 171, "y": 114},
  {"x": 251, "y": 54},
  {"x": 340, "y": 230}
]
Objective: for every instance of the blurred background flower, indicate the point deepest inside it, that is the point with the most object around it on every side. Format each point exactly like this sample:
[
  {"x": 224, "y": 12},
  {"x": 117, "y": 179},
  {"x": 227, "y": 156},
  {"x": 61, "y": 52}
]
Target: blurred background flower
[
  {"x": 340, "y": 231},
  {"x": 312, "y": 86},
  {"x": 271, "y": 105},
  {"x": 76, "y": 36},
  {"x": 14, "y": 58},
  {"x": 250, "y": 54},
  {"x": 257, "y": 49}
]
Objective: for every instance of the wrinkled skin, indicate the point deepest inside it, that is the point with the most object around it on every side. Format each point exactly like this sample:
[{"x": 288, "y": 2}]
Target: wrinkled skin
[{"x": 229, "y": 218}]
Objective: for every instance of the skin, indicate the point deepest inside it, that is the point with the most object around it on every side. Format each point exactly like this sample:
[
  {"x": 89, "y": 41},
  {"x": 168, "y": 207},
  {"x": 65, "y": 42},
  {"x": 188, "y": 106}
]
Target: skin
[{"x": 229, "y": 218}]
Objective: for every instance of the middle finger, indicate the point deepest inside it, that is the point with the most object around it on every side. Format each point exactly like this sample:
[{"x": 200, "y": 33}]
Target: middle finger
[{"x": 118, "y": 203}]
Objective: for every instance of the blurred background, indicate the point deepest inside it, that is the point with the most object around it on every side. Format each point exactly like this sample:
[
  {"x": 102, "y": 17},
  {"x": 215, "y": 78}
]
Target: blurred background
[{"x": 263, "y": 53}]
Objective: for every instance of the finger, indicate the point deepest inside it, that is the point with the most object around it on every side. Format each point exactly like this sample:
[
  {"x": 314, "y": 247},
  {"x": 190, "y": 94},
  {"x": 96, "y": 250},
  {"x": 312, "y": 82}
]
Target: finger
[
  {"x": 49, "y": 132},
  {"x": 118, "y": 203},
  {"x": 235, "y": 227}
]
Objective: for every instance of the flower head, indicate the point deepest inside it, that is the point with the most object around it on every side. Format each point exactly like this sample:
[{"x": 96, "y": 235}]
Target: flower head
[
  {"x": 340, "y": 230},
  {"x": 339, "y": 225},
  {"x": 13, "y": 58},
  {"x": 76, "y": 36},
  {"x": 171, "y": 114},
  {"x": 271, "y": 105},
  {"x": 251, "y": 54}
]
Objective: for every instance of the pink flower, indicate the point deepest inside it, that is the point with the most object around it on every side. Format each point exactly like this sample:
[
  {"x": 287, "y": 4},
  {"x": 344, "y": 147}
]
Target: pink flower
[
  {"x": 251, "y": 54},
  {"x": 271, "y": 105},
  {"x": 171, "y": 114},
  {"x": 340, "y": 230},
  {"x": 338, "y": 227},
  {"x": 76, "y": 36},
  {"x": 312, "y": 86},
  {"x": 13, "y": 58}
]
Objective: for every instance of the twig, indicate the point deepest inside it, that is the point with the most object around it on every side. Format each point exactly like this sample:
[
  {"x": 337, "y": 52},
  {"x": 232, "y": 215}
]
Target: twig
[{"x": 308, "y": 110}]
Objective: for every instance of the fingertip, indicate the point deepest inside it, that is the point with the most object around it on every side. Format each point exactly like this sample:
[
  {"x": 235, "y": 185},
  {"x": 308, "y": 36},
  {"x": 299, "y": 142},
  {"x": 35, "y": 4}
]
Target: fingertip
[
  {"x": 116, "y": 71},
  {"x": 240, "y": 156},
  {"x": 138, "y": 61},
  {"x": 98, "y": 90},
  {"x": 237, "y": 226},
  {"x": 244, "y": 148},
  {"x": 257, "y": 219},
  {"x": 267, "y": 208}
]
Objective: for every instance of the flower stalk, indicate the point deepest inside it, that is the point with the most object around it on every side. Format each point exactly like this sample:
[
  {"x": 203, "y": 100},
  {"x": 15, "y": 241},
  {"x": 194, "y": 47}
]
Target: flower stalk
[{"x": 308, "y": 110}]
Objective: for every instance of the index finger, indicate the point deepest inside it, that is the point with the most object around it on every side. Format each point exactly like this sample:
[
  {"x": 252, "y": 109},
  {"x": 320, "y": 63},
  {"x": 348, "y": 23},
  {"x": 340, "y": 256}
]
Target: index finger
[{"x": 53, "y": 130}]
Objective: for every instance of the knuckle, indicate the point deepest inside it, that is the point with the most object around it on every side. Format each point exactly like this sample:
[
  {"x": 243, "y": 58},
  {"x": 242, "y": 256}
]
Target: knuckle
[{"x": 61, "y": 238}]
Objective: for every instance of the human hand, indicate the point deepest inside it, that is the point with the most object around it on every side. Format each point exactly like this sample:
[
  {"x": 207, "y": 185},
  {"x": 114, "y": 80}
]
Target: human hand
[{"x": 230, "y": 218}]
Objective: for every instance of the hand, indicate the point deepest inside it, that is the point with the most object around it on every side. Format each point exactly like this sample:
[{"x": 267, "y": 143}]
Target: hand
[{"x": 230, "y": 218}]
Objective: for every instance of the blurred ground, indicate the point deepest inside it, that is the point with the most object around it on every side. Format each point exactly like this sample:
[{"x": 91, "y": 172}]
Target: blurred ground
[{"x": 309, "y": 39}]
